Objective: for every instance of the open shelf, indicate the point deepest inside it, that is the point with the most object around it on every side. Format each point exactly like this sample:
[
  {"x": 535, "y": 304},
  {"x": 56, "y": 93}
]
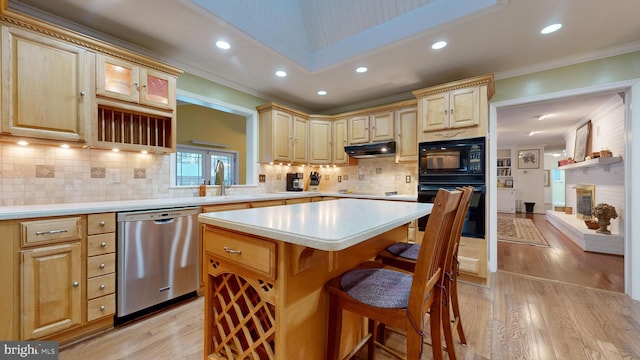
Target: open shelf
[{"x": 592, "y": 163}]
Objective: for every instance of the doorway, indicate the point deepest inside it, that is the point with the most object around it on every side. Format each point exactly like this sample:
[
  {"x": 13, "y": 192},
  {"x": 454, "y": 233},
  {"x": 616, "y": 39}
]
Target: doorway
[{"x": 618, "y": 270}]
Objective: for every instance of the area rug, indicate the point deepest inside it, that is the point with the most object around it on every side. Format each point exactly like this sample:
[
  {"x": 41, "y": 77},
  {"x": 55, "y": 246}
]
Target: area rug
[{"x": 519, "y": 231}]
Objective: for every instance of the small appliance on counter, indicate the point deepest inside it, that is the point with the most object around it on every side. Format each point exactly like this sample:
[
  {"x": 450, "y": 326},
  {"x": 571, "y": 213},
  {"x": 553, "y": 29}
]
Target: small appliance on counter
[
  {"x": 295, "y": 181},
  {"x": 314, "y": 181}
]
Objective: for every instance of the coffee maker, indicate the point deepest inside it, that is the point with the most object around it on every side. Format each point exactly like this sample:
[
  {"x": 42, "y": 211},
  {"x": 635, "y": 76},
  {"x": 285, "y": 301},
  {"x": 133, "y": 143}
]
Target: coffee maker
[{"x": 295, "y": 182}]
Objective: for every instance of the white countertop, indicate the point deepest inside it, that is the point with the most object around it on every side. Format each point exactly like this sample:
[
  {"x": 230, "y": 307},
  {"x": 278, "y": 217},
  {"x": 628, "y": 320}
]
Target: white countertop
[
  {"x": 324, "y": 225},
  {"x": 34, "y": 211}
]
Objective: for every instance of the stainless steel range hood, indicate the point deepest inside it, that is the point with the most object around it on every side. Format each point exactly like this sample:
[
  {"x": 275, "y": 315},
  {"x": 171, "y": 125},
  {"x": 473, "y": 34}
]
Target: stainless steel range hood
[{"x": 387, "y": 148}]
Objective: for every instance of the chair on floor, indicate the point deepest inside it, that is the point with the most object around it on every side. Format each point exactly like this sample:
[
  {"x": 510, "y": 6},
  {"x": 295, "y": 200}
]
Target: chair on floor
[
  {"x": 404, "y": 256},
  {"x": 396, "y": 298}
]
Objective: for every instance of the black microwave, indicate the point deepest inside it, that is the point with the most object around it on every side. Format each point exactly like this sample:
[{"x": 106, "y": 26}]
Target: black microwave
[{"x": 452, "y": 160}]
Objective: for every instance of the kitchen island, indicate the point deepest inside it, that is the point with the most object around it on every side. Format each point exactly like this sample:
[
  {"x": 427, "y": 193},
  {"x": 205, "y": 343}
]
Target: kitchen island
[{"x": 267, "y": 267}]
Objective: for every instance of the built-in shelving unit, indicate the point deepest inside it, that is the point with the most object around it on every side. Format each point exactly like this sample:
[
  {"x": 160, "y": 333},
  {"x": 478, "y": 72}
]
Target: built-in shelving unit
[
  {"x": 601, "y": 161},
  {"x": 504, "y": 174}
]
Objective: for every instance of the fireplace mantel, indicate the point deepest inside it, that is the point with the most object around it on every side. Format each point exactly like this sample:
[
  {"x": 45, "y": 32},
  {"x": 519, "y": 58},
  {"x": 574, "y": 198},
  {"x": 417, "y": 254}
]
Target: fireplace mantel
[{"x": 592, "y": 163}]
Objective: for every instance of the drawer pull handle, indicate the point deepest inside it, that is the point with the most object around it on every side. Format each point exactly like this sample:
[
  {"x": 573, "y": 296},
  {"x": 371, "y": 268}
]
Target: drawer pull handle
[
  {"x": 102, "y": 287},
  {"x": 102, "y": 223},
  {"x": 102, "y": 266},
  {"x": 103, "y": 245},
  {"x": 76, "y": 284},
  {"x": 51, "y": 232},
  {"x": 232, "y": 251},
  {"x": 102, "y": 308}
]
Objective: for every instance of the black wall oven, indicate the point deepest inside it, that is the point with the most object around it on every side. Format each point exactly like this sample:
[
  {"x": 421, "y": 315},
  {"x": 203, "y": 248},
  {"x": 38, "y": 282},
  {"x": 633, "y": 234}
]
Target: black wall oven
[
  {"x": 475, "y": 219},
  {"x": 450, "y": 164}
]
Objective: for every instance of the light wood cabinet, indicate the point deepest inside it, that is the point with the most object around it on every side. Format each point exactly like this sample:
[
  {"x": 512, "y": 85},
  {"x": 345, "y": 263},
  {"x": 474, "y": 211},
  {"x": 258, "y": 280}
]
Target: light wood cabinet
[
  {"x": 126, "y": 81},
  {"x": 340, "y": 139},
  {"x": 46, "y": 87},
  {"x": 51, "y": 289},
  {"x": 371, "y": 127},
  {"x": 283, "y": 134},
  {"x": 454, "y": 110},
  {"x": 406, "y": 135},
  {"x": 101, "y": 253},
  {"x": 320, "y": 141}
]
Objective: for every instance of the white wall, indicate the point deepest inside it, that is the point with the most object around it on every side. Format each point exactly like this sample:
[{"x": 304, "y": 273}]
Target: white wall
[
  {"x": 529, "y": 182},
  {"x": 608, "y": 131}
]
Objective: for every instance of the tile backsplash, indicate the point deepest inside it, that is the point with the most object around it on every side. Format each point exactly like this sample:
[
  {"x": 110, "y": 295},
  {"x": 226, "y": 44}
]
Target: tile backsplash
[{"x": 40, "y": 174}]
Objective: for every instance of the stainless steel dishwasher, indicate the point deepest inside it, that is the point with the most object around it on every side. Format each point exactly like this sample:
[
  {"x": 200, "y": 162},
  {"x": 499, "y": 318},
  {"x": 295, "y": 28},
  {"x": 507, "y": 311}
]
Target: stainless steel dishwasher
[{"x": 158, "y": 260}]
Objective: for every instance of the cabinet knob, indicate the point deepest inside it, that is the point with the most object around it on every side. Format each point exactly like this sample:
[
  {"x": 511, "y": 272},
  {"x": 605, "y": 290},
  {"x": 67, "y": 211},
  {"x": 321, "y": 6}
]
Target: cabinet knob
[
  {"x": 451, "y": 111},
  {"x": 102, "y": 223},
  {"x": 103, "y": 245},
  {"x": 102, "y": 266},
  {"x": 446, "y": 111},
  {"x": 82, "y": 93},
  {"x": 102, "y": 287},
  {"x": 135, "y": 84},
  {"x": 102, "y": 308},
  {"x": 76, "y": 284},
  {"x": 144, "y": 86}
]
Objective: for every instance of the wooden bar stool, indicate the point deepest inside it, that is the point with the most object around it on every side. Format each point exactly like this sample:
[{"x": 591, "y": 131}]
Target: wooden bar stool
[
  {"x": 404, "y": 256},
  {"x": 396, "y": 298}
]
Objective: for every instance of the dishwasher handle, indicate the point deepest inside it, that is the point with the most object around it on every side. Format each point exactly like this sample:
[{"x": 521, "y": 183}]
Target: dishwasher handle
[{"x": 164, "y": 221}]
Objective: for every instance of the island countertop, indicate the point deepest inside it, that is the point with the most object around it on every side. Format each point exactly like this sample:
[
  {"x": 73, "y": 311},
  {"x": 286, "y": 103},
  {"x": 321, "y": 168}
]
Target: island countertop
[{"x": 324, "y": 225}]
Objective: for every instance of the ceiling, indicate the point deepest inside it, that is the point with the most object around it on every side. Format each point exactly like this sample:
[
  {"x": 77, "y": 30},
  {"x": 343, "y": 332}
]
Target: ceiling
[{"x": 319, "y": 43}]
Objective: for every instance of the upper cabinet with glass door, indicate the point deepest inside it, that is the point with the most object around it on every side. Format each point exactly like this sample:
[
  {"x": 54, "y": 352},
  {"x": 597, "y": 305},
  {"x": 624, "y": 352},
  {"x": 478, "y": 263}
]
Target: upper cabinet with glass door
[{"x": 130, "y": 82}]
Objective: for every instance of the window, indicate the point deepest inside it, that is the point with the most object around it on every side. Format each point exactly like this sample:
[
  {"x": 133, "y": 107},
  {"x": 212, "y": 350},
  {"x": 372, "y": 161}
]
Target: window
[{"x": 195, "y": 164}]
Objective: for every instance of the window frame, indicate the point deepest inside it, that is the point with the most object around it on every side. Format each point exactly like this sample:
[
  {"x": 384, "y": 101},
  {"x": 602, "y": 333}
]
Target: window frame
[{"x": 206, "y": 166}]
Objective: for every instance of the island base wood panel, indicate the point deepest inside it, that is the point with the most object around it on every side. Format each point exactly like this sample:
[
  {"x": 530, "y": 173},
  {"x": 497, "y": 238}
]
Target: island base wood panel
[{"x": 294, "y": 305}]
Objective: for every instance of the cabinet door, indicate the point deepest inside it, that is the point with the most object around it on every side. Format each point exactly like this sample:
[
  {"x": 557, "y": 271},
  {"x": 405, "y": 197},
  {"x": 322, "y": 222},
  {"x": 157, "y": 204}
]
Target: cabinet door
[
  {"x": 339, "y": 141},
  {"x": 359, "y": 129},
  {"x": 406, "y": 134},
  {"x": 282, "y": 136},
  {"x": 117, "y": 79},
  {"x": 436, "y": 112},
  {"x": 300, "y": 130},
  {"x": 51, "y": 289},
  {"x": 381, "y": 126},
  {"x": 46, "y": 87},
  {"x": 157, "y": 89},
  {"x": 320, "y": 142},
  {"x": 464, "y": 107}
]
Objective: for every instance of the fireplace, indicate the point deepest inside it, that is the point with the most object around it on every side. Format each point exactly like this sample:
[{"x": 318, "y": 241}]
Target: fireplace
[{"x": 585, "y": 200}]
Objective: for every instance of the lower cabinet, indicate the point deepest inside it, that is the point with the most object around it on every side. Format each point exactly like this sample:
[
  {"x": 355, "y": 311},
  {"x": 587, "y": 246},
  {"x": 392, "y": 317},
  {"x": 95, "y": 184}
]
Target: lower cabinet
[
  {"x": 101, "y": 266},
  {"x": 506, "y": 200},
  {"x": 51, "y": 289}
]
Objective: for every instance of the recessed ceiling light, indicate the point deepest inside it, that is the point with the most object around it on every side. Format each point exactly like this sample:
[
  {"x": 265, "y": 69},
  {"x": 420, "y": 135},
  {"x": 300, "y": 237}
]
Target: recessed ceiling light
[
  {"x": 439, "y": 45},
  {"x": 362, "y": 69},
  {"x": 281, "y": 73},
  {"x": 223, "y": 45},
  {"x": 551, "y": 28},
  {"x": 322, "y": 92}
]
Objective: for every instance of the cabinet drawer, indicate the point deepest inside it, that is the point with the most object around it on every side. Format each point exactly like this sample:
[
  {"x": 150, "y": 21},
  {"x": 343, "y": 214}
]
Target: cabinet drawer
[
  {"x": 224, "y": 207},
  {"x": 101, "y": 244},
  {"x": 267, "y": 203},
  {"x": 251, "y": 253},
  {"x": 102, "y": 306},
  {"x": 50, "y": 231},
  {"x": 101, "y": 286},
  {"x": 101, "y": 265},
  {"x": 101, "y": 223}
]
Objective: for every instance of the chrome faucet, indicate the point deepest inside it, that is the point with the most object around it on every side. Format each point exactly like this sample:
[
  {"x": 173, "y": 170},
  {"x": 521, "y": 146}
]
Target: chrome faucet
[{"x": 220, "y": 177}]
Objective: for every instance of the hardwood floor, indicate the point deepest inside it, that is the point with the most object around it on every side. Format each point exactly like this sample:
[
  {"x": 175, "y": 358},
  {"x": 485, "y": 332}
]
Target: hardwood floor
[
  {"x": 518, "y": 317},
  {"x": 563, "y": 261}
]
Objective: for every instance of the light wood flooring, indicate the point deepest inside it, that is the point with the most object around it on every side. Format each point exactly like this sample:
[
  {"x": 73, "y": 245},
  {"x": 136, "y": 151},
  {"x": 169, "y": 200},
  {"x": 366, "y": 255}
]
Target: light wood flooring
[
  {"x": 563, "y": 261},
  {"x": 518, "y": 317}
]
